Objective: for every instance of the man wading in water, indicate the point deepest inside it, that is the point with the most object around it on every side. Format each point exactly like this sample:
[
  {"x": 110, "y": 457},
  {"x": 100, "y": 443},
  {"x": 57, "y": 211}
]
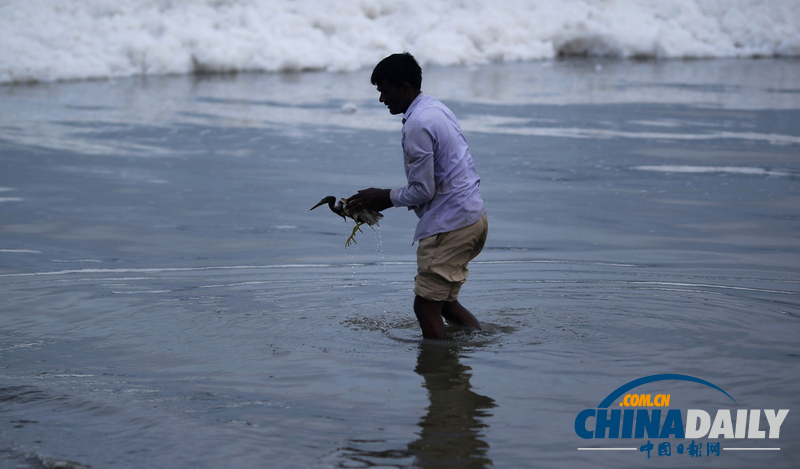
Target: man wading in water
[{"x": 443, "y": 190}]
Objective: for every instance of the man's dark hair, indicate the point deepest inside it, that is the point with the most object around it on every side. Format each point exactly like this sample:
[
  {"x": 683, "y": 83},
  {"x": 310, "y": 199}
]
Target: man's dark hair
[{"x": 398, "y": 69}]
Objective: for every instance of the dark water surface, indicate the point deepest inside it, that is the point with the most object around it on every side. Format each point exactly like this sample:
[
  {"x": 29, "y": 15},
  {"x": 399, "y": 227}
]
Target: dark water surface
[{"x": 169, "y": 300}]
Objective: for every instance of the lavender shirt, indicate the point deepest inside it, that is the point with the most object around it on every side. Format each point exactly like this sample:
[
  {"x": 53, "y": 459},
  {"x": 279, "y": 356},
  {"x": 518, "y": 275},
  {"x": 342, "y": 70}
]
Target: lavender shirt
[{"x": 443, "y": 186}]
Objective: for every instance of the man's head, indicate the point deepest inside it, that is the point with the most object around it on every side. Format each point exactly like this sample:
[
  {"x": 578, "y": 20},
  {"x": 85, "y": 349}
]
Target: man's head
[{"x": 399, "y": 80}]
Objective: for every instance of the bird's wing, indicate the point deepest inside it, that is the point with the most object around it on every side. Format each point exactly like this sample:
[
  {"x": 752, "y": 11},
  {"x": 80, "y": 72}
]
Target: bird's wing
[{"x": 370, "y": 217}]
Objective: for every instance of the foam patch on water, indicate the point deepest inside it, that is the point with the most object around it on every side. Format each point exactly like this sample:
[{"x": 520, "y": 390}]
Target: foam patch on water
[
  {"x": 516, "y": 126},
  {"x": 78, "y": 39},
  {"x": 751, "y": 171}
]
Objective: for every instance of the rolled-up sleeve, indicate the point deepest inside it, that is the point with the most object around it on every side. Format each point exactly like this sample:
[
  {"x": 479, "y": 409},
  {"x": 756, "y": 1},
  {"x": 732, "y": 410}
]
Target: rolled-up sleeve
[{"x": 418, "y": 153}]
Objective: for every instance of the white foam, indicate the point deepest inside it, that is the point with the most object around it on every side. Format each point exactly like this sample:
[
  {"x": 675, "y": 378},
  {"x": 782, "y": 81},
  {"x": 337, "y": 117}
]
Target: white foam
[
  {"x": 139, "y": 292},
  {"x": 43, "y": 40},
  {"x": 70, "y": 261},
  {"x": 500, "y": 125},
  {"x": 715, "y": 169}
]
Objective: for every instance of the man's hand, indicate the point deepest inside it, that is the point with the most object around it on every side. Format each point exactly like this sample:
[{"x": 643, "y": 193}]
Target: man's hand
[{"x": 372, "y": 198}]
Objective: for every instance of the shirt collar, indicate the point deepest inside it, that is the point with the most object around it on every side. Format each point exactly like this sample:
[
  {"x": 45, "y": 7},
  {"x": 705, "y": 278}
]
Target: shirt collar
[{"x": 412, "y": 106}]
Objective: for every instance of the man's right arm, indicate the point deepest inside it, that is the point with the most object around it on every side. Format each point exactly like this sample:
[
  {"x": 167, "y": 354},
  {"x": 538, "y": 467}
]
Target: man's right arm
[{"x": 421, "y": 185}]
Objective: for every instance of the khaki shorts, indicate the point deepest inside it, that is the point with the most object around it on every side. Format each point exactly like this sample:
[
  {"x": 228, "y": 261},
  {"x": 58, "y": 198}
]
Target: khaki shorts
[{"x": 442, "y": 261}]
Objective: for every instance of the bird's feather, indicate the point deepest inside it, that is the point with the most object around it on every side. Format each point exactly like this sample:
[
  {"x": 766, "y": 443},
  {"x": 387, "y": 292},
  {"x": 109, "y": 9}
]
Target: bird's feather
[{"x": 370, "y": 217}]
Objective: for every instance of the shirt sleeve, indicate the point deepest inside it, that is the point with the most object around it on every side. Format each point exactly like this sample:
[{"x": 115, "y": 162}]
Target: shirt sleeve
[{"x": 418, "y": 153}]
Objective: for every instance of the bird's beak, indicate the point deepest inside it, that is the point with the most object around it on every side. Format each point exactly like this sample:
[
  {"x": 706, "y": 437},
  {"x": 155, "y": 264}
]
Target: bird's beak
[{"x": 321, "y": 202}]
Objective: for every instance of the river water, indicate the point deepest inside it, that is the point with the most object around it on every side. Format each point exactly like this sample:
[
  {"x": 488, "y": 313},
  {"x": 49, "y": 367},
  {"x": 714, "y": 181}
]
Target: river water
[{"x": 170, "y": 301}]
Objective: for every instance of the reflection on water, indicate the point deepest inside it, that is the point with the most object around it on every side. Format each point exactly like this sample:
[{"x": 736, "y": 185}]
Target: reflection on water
[{"x": 451, "y": 433}]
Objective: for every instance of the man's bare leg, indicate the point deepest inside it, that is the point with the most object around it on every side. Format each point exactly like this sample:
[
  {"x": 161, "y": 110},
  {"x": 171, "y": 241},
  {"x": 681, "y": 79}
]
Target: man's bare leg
[
  {"x": 429, "y": 315},
  {"x": 455, "y": 313}
]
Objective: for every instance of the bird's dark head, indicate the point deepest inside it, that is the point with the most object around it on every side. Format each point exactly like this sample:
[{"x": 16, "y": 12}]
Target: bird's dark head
[{"x": 330, "y": 200}]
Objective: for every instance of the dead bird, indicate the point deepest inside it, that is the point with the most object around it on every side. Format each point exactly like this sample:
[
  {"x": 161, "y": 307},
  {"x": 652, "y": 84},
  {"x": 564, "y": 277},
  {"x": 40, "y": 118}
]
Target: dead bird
[{"x": 370, "y": 217}]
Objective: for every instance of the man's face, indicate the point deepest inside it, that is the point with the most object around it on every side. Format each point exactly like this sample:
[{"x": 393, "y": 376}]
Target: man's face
[{"x": 394, "y": 98}]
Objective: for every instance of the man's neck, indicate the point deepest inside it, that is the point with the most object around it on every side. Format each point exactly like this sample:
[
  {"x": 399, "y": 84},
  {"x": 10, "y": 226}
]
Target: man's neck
[{"x": 411, "y": 101}]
